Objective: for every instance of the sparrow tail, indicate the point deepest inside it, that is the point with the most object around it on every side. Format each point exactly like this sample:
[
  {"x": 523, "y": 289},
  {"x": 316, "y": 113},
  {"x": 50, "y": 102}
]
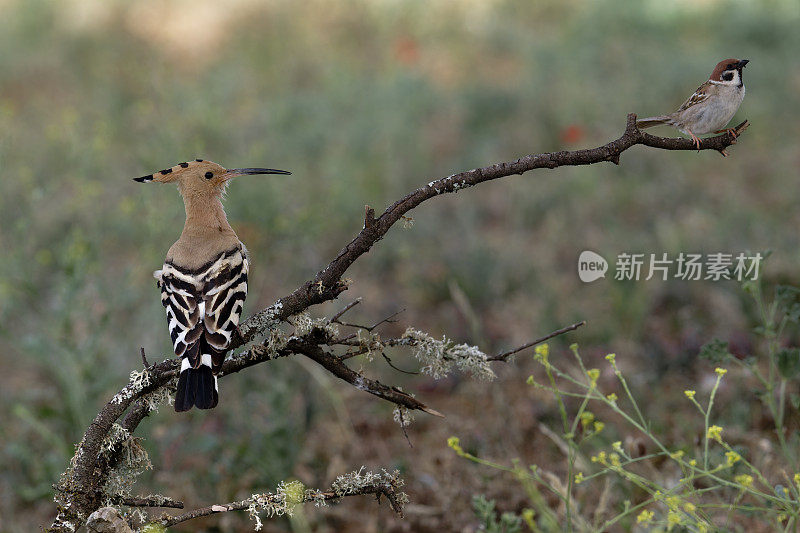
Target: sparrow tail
[{"x": 652, "y": 121}]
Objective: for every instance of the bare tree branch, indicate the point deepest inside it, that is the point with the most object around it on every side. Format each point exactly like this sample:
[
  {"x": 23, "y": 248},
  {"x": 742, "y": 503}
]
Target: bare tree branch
[
  {"x": 144, "y": 501},
  {"x": 89, "y": 468},
  {"x": 327, "y": 284},
  {"x": 384, "y": 489},
  {"x": 336, "y": 366}
]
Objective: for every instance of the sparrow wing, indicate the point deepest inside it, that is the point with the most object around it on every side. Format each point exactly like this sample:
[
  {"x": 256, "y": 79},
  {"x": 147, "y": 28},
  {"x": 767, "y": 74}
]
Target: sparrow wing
[{"x": 700, "y": 95}]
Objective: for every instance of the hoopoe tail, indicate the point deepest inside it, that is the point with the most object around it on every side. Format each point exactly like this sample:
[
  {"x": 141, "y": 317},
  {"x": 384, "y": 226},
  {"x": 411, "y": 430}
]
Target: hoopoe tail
[{"x": 196, "y": 386}]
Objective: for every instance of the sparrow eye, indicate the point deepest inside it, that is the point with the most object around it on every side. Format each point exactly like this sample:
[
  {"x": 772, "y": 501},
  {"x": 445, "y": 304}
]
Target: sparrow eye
[{"x": 209, "y": 175}]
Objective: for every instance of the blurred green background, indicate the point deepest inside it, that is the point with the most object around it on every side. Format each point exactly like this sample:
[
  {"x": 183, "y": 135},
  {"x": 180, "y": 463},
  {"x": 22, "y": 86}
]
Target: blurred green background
[{"x": 364, "y": 101}]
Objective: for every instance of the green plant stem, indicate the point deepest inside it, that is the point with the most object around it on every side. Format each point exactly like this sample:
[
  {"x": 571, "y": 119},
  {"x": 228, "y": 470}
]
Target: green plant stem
[{"x": 706, "y": 418}]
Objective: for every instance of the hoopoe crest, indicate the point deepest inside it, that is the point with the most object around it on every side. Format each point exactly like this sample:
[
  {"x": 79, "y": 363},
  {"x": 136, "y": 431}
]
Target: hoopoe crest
[{"x": 204, "y": 278}]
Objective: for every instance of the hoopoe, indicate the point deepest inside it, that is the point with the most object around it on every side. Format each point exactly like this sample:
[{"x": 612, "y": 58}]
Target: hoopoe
[{"x": 204, "y": 278}]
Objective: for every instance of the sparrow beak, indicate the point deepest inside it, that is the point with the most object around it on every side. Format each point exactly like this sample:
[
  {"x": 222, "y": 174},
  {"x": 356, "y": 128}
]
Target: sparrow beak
[
  {"x": 742, "y": 63},
  {"x": 232, "y": 173}
]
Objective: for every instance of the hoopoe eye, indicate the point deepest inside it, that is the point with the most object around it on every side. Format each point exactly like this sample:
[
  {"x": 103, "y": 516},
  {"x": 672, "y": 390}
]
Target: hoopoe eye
[{"x": 209, "y": 175}]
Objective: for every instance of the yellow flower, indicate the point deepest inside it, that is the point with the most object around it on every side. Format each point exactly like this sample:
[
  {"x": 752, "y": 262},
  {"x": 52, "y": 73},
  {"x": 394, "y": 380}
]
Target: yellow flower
[
  {"x": 689, "y": 507},
  {"x": 599, "y": 458},
  {"x": 732, "y": 457},
  {"x": 617, "y": 446},
  {"x": 797, "y": 479},
  {"x": 578, "y": 477},
  {"x": 614, "y": 458},
  {"x": 745, "y": 480},
  {"x": 528, "y": 515},
  {"x": 530, "y": 380},
  {"x": 672, "y": 502},
  {"x": 598, "y": 427},
  {"x": 645, "y": 517},
  {"x": 455, "y": 444},
  {"x": 720, "y": 371},
  {"x": 611, "y": 357},
  {"x": 612, "y": 398},
  {"x": 593, "y": 374},
  {"x": 673, "y": 518},
  {"x": 690, "y": 394},
  {"x": 693, "y": 462},
  {"x": 714, "y": 432},
  {"x": 702, "y": 528},
  {"x": 587, "y": 417},
  {"x": 541, "y": 354},
  {"x": 677, "y": 455}
]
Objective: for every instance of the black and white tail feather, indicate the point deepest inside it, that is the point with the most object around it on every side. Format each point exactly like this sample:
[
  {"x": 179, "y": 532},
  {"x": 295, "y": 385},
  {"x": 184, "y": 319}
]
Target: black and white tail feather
[{"x": 203, "y": 309}]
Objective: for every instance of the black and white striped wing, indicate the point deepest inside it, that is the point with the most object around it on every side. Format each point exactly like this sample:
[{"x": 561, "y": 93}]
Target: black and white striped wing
[
  {"x": 181, "y": 297},
  {"x": 204, "y": 306},
  {"x": 224, "y": 294}
]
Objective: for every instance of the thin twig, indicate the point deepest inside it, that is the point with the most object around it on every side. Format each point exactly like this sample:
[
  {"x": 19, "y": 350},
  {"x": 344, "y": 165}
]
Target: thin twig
[
  {"x": 403, "y": 427},
  {"x": 388, "y": 320},
  {"x": 401, "y": 341},
  {"x": 389, "y": 362},
  {"x": 556, "y": 333},
  {"x": 348, "y": 307}
]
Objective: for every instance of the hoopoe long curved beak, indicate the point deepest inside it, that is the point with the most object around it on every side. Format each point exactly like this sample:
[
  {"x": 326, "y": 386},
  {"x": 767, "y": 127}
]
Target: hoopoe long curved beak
[{"x": 233, "y": 172}]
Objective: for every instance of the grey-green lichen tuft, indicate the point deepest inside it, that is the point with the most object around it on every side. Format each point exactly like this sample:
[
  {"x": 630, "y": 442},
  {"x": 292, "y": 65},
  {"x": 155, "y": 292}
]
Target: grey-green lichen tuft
[{"x": 441, "y": 357}]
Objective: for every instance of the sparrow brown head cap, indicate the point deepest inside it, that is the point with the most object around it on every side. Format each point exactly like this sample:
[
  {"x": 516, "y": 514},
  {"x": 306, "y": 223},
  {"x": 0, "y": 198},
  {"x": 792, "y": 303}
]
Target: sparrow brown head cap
[{"x": 727, "y": 65}]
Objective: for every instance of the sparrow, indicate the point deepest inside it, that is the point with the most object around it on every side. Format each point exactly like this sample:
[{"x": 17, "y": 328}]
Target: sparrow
[{"x": 711, "y": 106}]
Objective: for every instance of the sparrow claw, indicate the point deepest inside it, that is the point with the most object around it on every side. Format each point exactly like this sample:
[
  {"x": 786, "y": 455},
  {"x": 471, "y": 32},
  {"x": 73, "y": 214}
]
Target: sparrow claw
[
  {"x": 730, "y": 131},
  {"x": 723, "y": 152},
  {"x": 696, "y": 140}
]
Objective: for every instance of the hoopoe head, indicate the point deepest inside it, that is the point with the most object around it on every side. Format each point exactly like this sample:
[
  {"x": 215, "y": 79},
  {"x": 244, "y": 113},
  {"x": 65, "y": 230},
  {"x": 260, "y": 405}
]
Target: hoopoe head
[{"x": 201, "y": 177}]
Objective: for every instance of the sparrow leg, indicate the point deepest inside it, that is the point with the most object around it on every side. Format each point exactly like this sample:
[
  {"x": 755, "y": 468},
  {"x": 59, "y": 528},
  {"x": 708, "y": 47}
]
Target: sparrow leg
[{"x": 696, "y": 139}]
